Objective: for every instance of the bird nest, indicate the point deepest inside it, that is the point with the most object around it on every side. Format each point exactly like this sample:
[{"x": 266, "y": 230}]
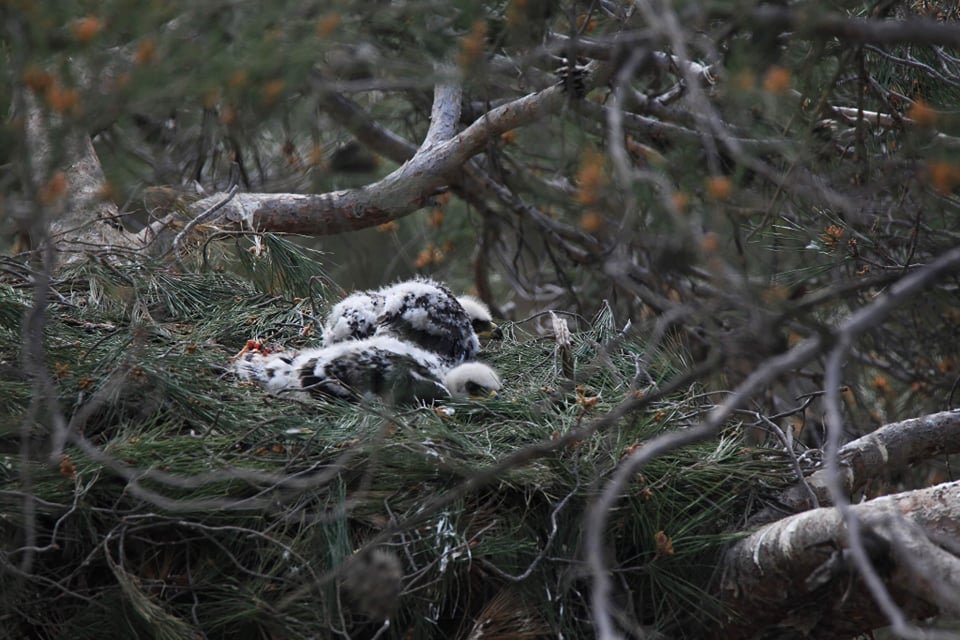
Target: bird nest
[{"x": 184, "y": 502}]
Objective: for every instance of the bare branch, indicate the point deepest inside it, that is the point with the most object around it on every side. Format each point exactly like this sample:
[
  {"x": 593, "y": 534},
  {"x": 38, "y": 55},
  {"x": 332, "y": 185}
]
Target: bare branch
[
  {"x": 200, "y": 219},
  {"x": 372, "y": 134},
  {"x": 890, "y": 448},
  {"x": 445, "y": 114},
  {"x": 398, "y": 194},
  {"x": 797, "y": 571}
]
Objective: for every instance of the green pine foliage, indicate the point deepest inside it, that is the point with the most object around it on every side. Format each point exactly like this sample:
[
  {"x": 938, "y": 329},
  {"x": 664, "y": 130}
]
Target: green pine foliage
[{"x": 198, "y": 503}]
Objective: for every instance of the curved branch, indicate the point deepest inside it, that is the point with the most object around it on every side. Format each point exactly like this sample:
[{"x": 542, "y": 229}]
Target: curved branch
[
  {"x": 797, "y": 572},
  {"x": 402, "y": 192}
]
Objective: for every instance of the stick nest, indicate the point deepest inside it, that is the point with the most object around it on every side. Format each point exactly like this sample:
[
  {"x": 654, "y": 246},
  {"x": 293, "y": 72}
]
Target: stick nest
[{"x": 186, "y": 504}]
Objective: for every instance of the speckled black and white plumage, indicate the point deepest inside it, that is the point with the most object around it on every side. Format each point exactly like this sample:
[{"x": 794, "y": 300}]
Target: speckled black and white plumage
[
  {"x": 353, "y": 318},
  {"x": 397, "y": 371},
  {"x": 421, "y": 311},
  {"x": 272, "y": 371},
  {"x": 380, "y": 366},
  {"x": 425, "y": 313}
]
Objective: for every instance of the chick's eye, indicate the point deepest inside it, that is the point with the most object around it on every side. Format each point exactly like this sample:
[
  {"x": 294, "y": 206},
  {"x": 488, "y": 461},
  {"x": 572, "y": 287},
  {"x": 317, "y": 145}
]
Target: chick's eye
[{"x": 474, "y": 389}]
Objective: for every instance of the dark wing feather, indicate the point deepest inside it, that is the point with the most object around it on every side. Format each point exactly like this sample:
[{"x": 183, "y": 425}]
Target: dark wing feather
[
  {"x": 432, "y": 320},
  {"x": 367, "y": 369}
]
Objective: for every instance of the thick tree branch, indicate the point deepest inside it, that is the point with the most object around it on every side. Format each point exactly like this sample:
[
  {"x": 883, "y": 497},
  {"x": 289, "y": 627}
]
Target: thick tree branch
[
  {"x": 893, "y": 447},
  {"x": 796, "y": 573},
  {"x": 861, "y": 320},
  {"x": 476, "y": 184},
  {"x": 445, "y": 114}
]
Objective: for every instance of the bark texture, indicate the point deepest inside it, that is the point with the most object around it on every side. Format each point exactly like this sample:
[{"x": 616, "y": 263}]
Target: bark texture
[
  {"x": 794, "y": 578},
  {"x": 891, "y": 448},
  {"x": 80, "y": 218}
]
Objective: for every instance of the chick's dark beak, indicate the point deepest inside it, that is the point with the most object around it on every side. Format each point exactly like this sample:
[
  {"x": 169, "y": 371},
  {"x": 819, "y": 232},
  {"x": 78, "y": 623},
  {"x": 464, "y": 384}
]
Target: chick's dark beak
[
  {"x": 480, "y": 392},
  {"x": 488, "y": 331}
]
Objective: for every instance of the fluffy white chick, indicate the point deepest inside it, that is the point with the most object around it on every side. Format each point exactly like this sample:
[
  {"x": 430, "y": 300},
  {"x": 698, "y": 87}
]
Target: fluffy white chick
[
  {"x": 271, "y": 370},
  {"x": 379, "y": 366},
  {"x": 472, "y": 380},
  {"x": 480, "y": 317},
  {"x": 397, "y": 371},
  {"x": 353, "y": 318}
]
